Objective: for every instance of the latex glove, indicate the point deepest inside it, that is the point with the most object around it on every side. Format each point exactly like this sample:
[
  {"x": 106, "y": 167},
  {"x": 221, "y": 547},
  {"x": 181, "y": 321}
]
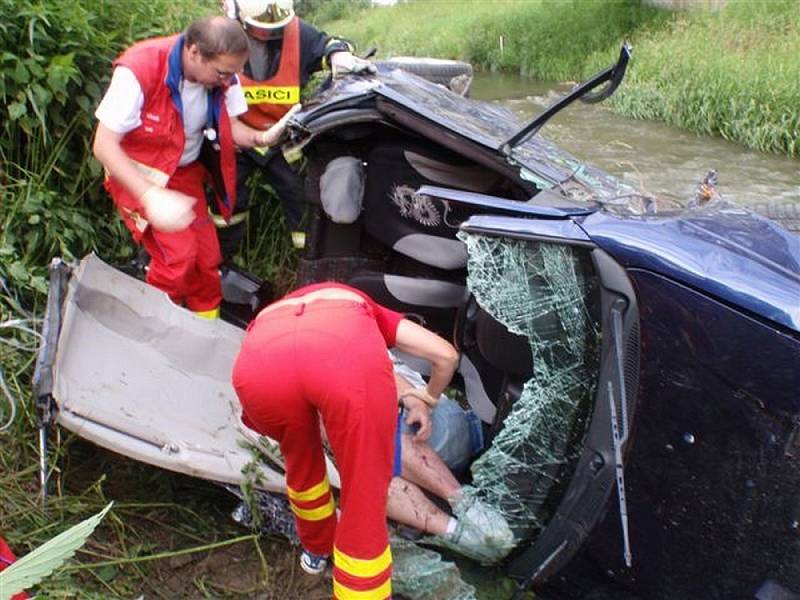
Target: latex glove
[
  {"x": 417, "y": 412},
  {"x": 272, "y": 136},
  {"x": 343, "y": 63},
  {"x": 167, "y": 210}
]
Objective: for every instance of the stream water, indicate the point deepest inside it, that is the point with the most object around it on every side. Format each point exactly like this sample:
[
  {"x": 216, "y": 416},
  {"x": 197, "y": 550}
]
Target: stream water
[{"x": 656, "y": 158}]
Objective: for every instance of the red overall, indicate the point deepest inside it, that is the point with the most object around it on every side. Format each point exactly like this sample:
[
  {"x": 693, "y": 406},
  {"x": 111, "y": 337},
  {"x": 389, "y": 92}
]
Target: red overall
[
  {"x": 270, "y": 99},
  {"x": 329, "y": 357},
  {"x": 183, "y": 264}
]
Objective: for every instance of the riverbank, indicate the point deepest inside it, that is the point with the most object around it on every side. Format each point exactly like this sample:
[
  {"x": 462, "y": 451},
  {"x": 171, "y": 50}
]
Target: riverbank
[{"x": 733, "y": 72}]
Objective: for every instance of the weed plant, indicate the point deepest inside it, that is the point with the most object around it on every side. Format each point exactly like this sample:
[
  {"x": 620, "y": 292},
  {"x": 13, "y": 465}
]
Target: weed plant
[
  {"x": 733, "y": 72},
  {"x": 55, "y": 64}
]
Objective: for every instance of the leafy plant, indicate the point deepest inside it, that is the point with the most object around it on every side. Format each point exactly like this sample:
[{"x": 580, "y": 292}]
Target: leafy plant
[{"x": 38, "y": 564}]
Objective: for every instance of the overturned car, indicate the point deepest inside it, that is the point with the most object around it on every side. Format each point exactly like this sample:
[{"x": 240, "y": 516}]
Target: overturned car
[{"x": 635, "y": 364}]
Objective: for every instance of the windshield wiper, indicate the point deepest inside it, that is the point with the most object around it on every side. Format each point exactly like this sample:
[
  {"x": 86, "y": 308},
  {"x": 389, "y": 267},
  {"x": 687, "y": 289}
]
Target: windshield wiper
[{"x": 613, "y": 75}]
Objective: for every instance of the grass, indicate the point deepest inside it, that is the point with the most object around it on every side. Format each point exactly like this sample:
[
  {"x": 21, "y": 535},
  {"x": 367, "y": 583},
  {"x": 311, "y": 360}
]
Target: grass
[{"x": 733, "y": 72}]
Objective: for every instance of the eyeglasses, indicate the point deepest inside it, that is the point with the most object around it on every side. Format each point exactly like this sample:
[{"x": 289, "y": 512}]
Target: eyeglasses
[{"x": 223, "y": 75}]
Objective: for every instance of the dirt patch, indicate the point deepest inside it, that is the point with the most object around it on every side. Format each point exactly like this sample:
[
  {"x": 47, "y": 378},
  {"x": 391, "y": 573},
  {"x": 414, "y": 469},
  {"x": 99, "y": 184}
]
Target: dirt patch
[{"x": 159, "y": 512}]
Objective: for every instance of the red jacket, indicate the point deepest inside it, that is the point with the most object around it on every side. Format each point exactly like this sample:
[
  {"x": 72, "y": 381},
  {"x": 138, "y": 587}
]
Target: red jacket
[{"x": 157, "y": 144}]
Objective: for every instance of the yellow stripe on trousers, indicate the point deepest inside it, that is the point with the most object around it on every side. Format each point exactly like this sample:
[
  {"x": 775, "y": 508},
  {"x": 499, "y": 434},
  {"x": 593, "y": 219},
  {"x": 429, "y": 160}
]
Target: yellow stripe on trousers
[
  {"x": 342, "y": 592},
  {"x": 314, "y": 514},
  {"x": 360, "y": 567},
  {"x": 312, "y": 493}
]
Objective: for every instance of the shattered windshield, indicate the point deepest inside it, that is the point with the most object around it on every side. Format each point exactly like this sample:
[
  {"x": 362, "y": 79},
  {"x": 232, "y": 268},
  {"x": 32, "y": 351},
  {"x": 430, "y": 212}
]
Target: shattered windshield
[{"x": 546, "y": 293}]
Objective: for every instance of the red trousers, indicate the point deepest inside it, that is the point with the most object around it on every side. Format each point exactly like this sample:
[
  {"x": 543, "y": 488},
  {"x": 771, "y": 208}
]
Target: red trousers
[
  {"x": 328, "y": 358},
  {"x": 185, "y": 264}
]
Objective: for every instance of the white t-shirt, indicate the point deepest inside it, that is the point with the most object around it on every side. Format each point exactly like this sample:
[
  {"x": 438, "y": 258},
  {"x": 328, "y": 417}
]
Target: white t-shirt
[{"x": 121, "y": 108}]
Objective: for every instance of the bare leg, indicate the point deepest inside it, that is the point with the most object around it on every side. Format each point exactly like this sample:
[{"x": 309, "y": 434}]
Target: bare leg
[
  {"x": 421, "y": 465},
  {"x": 409, "y": 505}
]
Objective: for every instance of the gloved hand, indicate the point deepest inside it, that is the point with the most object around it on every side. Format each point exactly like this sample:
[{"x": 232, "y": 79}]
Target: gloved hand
[
  {"x": 272, "y": 136},
  {"x": 343, "y": 63},
  {"x": 167, "y": 210}
]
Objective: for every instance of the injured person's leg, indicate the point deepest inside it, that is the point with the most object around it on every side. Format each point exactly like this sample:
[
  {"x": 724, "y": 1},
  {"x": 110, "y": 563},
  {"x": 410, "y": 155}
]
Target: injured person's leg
[{"x": 474, "y": 528}]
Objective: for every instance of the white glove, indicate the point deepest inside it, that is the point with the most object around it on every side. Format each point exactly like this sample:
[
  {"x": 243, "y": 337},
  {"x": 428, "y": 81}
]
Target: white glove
[
  {"x": 271, "y": 136},
  {"x": 343, "y": 63},
  {"x": 167, "y": 210}
]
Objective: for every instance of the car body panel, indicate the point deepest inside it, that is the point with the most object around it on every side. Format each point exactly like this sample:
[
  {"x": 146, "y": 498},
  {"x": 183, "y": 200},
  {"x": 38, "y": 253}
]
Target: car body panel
[
  {"x": 727, "y": 251},
  {"x": 714, "y": 469},
  {"x": 483, "y": 123},
  {"x": 141, "y": 376}
]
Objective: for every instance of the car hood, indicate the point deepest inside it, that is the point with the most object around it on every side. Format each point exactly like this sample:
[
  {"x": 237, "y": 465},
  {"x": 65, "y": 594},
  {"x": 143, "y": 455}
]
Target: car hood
[
  {"x": 487, "y": 124},
  {"x": 721, "y": 249}
]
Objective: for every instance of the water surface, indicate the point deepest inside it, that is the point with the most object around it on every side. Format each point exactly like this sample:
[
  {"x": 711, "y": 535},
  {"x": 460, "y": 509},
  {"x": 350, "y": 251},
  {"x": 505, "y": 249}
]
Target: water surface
[{"x": 654, "y": 157}]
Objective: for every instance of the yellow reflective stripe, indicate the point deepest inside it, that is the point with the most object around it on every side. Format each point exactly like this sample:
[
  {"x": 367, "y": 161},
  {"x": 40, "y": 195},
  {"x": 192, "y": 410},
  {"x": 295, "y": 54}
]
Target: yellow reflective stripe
[
  {"x": 298, "y": 240},
  {"x": 359, "y": 567},
  {"x": 292, "y": 154},
  {"x": 314, "y": 514},
  {"x": 342, "y": 592},
  {"x": 312, "y": 493},
  {"x": 262, "y": 150},
  {"x": 271, "y": 94},
  {"x": 220, "y": 223},
  {"x": 208, "y": 314},
  {"x": 152, "y": 174}
]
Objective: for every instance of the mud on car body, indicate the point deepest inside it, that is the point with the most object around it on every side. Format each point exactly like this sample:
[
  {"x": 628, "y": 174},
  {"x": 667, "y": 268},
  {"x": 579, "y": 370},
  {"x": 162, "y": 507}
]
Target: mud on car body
[{"x": 634, "y": 362}]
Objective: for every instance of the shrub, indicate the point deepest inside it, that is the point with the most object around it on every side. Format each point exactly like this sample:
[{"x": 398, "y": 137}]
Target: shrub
[{"x": 53, "y": 70}]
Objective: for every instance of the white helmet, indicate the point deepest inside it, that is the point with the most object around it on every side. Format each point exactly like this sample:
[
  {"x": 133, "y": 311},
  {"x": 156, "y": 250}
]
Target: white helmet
[{"x": 262, "y": 14}]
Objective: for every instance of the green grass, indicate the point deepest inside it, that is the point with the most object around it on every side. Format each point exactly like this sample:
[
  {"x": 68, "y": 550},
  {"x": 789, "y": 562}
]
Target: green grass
[{"x": 734, "y": 72}]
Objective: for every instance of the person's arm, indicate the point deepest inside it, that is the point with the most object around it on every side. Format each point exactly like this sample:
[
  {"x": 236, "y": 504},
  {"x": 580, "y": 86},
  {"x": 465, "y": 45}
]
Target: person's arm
[
  {"x": 316, "y": 48},
  {"x": 245, "y": 136},
  {"x": 417, "y": 340},
  {"x": 108, "y": 150},
  {"x": 166, "y": 210}
]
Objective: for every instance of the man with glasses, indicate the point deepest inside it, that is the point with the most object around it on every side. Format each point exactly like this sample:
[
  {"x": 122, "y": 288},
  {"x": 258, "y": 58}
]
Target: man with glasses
[
  {"x": 284, "y": 53},
  {"x": 166, "y": 133}
]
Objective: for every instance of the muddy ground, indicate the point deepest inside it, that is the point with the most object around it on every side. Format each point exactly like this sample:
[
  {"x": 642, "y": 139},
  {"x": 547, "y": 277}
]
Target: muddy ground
[{"x": 159, "y": 512}]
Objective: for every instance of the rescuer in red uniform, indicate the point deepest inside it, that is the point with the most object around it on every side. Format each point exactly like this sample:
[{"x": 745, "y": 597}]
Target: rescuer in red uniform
[
  {"x": 321, "y": 351},
  {"x": 167, "y": 127}
]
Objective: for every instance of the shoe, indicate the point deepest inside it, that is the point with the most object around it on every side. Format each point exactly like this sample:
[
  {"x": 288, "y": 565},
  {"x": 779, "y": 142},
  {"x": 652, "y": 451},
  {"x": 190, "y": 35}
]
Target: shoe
[
  {"x": 487, "y": 520},
  {"x": 313, "y": 564}
]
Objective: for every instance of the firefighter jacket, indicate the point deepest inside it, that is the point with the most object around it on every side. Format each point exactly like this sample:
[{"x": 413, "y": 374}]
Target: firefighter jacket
[{"x": 273, "y": 86}]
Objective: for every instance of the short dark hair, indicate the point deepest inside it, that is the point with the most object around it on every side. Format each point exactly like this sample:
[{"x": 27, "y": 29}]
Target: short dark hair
[{"x": 215, "y": 35}]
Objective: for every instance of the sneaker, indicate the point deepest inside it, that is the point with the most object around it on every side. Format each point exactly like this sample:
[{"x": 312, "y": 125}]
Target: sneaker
[{"x": 313, "y": 564}]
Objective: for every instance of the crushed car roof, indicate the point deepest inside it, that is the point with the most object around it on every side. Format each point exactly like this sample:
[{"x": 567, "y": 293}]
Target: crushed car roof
[{"x": 487, "y": 124}]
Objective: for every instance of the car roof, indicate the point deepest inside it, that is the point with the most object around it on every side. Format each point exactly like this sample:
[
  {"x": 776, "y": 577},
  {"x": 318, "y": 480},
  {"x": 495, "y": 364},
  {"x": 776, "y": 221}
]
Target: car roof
[{"x": 487, "y": 124}]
